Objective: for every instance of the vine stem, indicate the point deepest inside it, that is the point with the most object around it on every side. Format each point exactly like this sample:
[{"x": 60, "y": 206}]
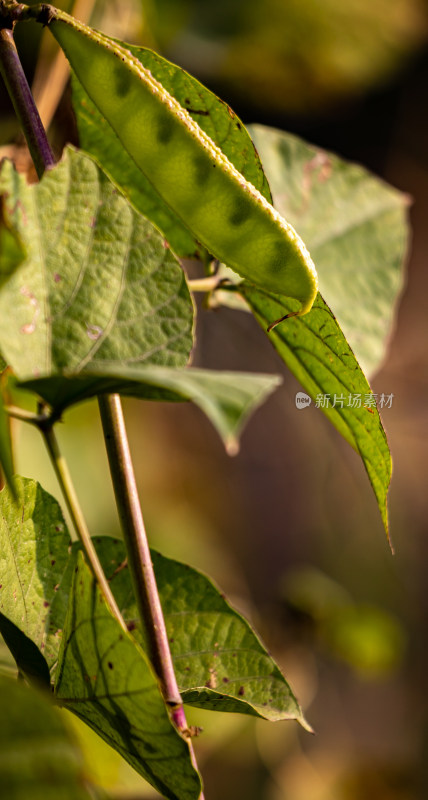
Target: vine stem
[
  {"x": 139, "y": 558},
  {"x": 67, "y": 487},
  {"x": 23, "y": 103},
  {"x": 116, "y": 439}
]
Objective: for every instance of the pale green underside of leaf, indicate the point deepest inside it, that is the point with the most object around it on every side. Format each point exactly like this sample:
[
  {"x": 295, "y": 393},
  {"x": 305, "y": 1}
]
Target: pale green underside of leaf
[
  {"x": 211, "y": 114},
  {"x": 38, "y": 757},
  {"x": 104, "y": 678},
  {"x": 317, "y": 353},
  {"x": 355, "y": 227},
  {"x": 227, "y": 398},
  {"x": 98, "y": 283},
  {"x": 210, "y": 641}
]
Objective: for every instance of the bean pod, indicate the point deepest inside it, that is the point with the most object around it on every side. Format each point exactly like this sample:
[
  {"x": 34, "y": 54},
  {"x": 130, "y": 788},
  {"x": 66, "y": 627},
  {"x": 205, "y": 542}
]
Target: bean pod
[{"x": 226, "y": 213}]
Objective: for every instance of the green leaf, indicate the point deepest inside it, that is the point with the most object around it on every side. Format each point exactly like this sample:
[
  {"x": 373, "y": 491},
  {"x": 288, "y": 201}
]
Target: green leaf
[
  {"x": 35, "y": 567},
  {"x": 356, "y": 229},
  {"x": 38, "y": 755},
  {"x": 98, "y": 283},
  {"x": 220, "y": 663},
  {"x": 104, "y": 678},
  {"x": 317, "y": 353},
  {"x": 227, "y": 398},
  {"x": 210, "y": 113},
  {"x": 48, "y": 601},
  {"x": 210, "y": 641}
]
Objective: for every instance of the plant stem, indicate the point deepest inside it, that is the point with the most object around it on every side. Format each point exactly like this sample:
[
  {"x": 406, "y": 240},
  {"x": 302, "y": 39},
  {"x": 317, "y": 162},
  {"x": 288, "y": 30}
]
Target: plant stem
[
  {"x": 23, "y": 103},
  {"x": 64, "y": 479},
  {"x": 139, "y": 558}
]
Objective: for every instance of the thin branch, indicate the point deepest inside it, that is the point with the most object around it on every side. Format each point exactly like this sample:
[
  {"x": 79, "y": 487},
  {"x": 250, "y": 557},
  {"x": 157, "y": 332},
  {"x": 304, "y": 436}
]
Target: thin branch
[
  {"x": 139, "y": 558},
  {"x": 23, "y": 103},
  {"x": 69, "y": 493}
]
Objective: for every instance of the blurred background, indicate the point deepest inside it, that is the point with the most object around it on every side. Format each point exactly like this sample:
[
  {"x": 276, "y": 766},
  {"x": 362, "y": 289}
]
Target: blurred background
[{"x": 288, "y": 528}]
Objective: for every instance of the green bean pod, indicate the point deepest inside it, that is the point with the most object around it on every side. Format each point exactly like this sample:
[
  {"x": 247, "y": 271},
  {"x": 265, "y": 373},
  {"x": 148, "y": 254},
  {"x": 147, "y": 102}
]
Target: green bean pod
[{"x": 226, "y": 213}]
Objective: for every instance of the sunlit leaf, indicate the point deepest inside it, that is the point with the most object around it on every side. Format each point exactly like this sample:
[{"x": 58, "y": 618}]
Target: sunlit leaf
[
  {"x": 356, "y": 229},
  {"x": 317, "y": 353},
  {"x": 98, "y": 283}
]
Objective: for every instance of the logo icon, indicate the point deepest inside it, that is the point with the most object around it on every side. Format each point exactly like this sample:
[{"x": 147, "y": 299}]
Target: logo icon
[{"x": 302, "y": 400}]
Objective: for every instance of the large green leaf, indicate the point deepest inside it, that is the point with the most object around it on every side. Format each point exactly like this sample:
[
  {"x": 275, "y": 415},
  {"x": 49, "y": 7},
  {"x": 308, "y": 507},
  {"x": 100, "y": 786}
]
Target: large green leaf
[
  {"x": 98, "y": 284},
  {"x": 227, "y": 398},
  {"x": 219, "y": 661},
  {"x": 317, "y": 353},
  {"x": 54, "y": 604},
  {"x": 35, "y": 567},
  {"x": 355, "y": 227},
  {"x": 104, "y": 678},
  {"x": 212, "y": 115},
  {"x": 38, "y": 756}
]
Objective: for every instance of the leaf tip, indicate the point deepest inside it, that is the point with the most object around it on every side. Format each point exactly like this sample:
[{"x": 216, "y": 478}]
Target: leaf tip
[
  {"x": 305, "y": 724},
  {"x": 232, "y": 446}
]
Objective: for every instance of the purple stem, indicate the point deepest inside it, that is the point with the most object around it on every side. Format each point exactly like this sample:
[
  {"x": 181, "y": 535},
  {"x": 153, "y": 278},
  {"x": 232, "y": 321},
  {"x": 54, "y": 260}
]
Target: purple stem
[
  {"x": 139, "y": 558},
  {"x": 23, "y": 103}
]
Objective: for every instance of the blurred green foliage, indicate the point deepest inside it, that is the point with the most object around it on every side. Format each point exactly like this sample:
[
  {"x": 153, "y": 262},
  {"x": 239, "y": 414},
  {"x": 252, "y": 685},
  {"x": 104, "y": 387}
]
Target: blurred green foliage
[{"x": 298, "y": 55}]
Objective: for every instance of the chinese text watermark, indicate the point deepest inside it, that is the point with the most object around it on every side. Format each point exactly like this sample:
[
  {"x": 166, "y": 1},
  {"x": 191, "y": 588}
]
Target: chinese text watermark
[{"x": 370, "y": 400}]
